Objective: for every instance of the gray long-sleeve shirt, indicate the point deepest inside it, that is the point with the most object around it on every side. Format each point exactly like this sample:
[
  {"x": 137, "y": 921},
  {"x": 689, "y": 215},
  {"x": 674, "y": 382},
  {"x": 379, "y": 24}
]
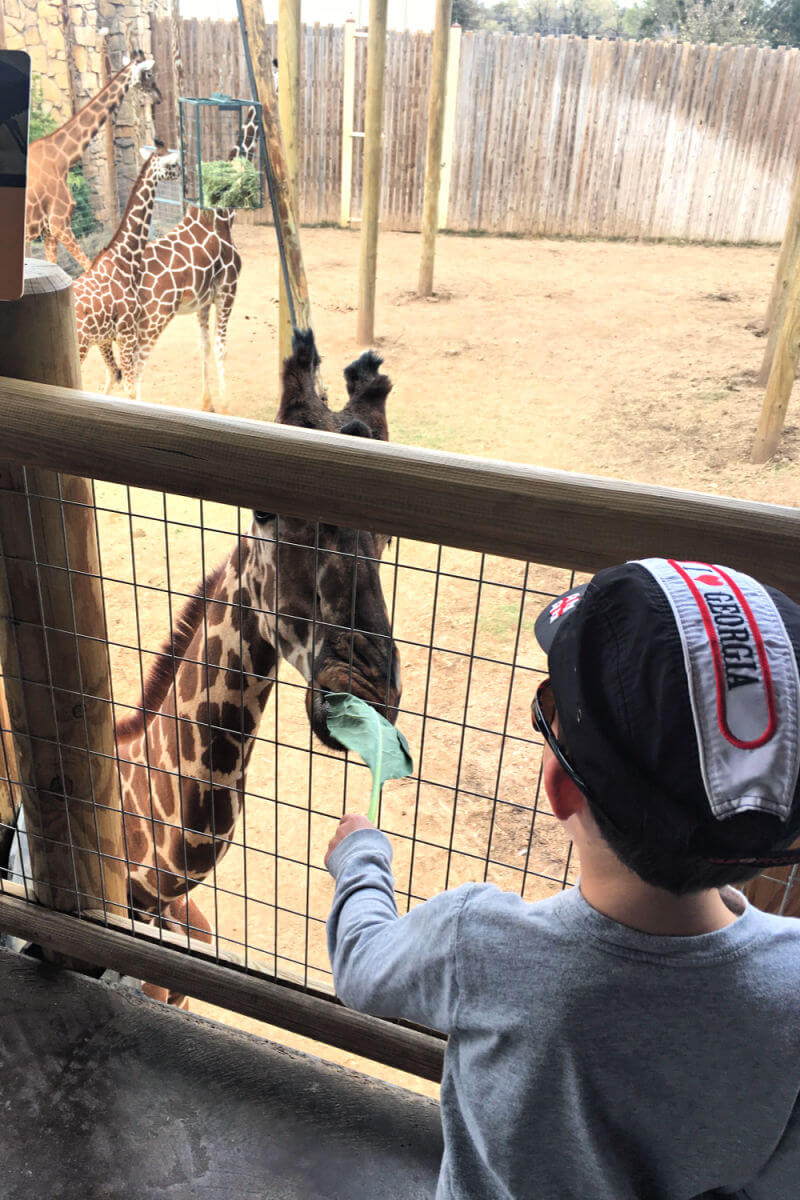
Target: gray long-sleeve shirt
[{"x": 585, "y": 1060}]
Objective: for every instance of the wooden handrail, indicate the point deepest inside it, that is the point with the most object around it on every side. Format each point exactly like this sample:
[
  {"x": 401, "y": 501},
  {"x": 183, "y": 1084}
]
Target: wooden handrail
[
  {"x": 192, "y": 971},
  {"x": 507, "y": 509}
]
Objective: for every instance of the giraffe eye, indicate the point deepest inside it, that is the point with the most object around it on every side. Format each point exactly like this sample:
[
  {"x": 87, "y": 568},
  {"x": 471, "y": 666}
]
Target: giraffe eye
[{"x": 263, "y": 517}]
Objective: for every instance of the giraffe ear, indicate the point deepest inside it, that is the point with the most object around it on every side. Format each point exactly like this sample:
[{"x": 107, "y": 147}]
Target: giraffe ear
[{"x": 126, "y": 58}]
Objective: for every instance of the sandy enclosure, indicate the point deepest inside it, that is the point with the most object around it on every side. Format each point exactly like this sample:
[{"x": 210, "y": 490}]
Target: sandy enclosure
[{"x": 625, "y": 360}]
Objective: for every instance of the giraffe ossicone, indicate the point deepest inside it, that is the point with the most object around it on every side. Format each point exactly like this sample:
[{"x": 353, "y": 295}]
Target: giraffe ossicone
[{"x": 305, "y": 591}]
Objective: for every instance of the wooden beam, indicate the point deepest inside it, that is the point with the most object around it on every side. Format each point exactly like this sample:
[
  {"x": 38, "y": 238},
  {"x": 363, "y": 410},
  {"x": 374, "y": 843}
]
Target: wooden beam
[
  {"x": 781, "y": 376},
  {"x": 449, "y": 135},
  {"x": 433, "y": 164},
  {"x": 348, "y": 102},
  {"x": 371, "y": 190},
  {"x": 193, "y": 974},
  {"x": 251, "y": 15},
  {"x": 52, "y": 633},
  {"x": 784, "y": 273},
  {"x": 288, "y": 109},
  {"x": 502, "y": 508}
]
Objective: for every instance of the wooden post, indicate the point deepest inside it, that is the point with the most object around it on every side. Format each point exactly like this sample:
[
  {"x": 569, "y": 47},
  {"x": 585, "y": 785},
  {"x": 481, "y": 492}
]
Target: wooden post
[
  {"x": 288, "y": 110},
  {"x": 781, "y": 377},
  {"x": 433, "y": 164},
  {"x": 371, "y": 203},
  {"x": 787, "y": 263},
  {"x": 348, "y": 101},
  {"x": 251, "y": 15},
  {"x": 449, "y": 136},
  {"x": 52, "y": 633}
]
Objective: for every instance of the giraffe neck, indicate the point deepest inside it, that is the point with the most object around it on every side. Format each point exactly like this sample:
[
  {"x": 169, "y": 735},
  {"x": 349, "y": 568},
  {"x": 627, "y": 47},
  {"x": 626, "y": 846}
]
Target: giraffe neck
[
  {"x": 133, "y": 230},
  {"x": 71, "y": 139},
  {"x": 208, "y": 702}
]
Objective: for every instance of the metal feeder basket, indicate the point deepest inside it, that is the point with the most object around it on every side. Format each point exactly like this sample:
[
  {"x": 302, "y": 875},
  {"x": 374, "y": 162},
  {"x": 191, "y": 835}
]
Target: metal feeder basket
[{"x": 219, "y": 170}]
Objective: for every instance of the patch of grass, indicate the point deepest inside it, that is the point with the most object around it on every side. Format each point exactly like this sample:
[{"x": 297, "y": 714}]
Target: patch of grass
[
  {"x": 712, "y": 397},
  {"x": 499, "y": 618}
]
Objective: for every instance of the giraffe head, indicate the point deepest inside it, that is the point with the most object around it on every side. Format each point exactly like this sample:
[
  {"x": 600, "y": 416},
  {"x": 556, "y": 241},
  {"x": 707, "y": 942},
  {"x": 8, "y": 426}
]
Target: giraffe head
[
  {"x": 166, "y": 164},
  {"x": 142, "y": 75},
  {"x": 323, "y": 580}
]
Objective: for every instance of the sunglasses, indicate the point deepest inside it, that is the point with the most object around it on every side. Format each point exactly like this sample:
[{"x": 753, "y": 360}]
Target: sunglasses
[{"x": 543, "y": 714}]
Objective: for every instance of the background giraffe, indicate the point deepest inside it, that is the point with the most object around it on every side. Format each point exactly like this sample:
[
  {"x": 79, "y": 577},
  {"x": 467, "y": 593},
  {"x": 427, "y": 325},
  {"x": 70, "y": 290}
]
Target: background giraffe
[
  {"x": 194, "y": 266},
  {"x": 184, "y": 752},
  {"x": 107, "y": 304},
  {"x": 49, "y": 201}
]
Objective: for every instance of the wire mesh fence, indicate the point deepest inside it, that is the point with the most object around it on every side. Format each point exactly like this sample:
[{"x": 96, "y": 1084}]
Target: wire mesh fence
[
  {"x": 229, "y": 797},
  {"x": 462, "y": 626},
  {"x": 94, "y": 234}
]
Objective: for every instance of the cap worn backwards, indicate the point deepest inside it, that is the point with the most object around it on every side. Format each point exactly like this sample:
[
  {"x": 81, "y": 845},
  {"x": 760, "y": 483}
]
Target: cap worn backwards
[{"x": 678, "y": 694}]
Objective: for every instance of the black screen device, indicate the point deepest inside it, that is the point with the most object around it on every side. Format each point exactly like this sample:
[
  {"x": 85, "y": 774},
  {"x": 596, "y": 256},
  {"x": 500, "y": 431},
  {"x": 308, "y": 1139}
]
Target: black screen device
[{"x": 15, "y": 91}]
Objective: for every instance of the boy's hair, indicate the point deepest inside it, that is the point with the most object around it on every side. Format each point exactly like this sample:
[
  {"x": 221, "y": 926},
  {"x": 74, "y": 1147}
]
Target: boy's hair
[
  {"x": 678, "y": 696},
  {"x": 677, "y": 875}
]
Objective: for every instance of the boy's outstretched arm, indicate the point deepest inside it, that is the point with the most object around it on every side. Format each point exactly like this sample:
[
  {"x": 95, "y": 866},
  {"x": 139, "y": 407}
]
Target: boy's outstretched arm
[{"x": 384, "y": 964}]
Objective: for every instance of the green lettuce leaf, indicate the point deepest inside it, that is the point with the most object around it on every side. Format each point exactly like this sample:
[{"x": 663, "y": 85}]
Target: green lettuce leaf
[{"x": 383, "y": 748}]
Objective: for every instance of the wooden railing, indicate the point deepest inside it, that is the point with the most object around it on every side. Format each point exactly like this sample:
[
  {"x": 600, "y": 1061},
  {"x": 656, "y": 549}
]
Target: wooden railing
[{"x": 500, "y": 508}]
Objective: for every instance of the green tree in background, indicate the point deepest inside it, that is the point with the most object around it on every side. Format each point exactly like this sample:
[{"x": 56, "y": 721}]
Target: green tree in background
[
  {"x": 743, "y": 22},
  {"x": 581, "y": 17}
]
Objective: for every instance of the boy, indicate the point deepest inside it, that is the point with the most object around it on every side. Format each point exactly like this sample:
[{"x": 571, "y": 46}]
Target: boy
[{"x": 638, "y": 1036}]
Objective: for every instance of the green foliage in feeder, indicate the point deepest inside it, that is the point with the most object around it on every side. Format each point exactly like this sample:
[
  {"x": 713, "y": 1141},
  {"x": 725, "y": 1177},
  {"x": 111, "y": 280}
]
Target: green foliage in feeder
[{"x": 231, "y": 184}]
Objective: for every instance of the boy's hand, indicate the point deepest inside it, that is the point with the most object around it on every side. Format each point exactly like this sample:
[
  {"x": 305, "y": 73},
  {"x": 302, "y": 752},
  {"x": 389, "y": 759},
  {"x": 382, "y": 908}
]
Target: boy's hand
[{"x": 348, "y": 824}]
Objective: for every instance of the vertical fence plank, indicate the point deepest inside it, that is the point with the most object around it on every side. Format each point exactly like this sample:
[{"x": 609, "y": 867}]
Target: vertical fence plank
[{"x": 564, "y": 135}]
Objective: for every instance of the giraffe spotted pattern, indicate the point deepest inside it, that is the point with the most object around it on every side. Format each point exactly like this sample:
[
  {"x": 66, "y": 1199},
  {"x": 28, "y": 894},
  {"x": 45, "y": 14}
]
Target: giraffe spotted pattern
[
  {"x": 306, "y": 591},
  {"x": 49, "y": 203},
  {"x": 190, "y": 269},
  {"x": 107, "y": 298}
]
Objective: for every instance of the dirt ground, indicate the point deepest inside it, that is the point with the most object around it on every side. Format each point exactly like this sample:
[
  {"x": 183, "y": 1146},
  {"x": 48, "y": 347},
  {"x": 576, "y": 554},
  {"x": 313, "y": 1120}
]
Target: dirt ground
[{"x": 625, "y": 360}]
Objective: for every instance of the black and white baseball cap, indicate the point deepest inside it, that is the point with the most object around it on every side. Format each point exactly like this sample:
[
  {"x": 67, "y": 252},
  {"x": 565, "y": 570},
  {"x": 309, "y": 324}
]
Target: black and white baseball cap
[{"x": 678, "y": 698}]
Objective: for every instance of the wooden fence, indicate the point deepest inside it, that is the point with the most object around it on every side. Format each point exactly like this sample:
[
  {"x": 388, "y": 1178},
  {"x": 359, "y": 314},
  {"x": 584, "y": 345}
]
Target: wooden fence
[{"x": 553, "y": 135}]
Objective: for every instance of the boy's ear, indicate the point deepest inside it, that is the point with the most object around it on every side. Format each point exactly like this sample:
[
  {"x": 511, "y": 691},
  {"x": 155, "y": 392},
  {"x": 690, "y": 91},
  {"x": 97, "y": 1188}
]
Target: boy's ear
[{"x": 566, "y": 799}]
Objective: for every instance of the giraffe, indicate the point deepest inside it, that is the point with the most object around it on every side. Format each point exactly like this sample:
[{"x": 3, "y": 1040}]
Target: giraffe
[
  {"x": 194, "y": 266},
  {"x": 185, "y": 749},
  {"x": 49, "y": 200},
  {"x": 107, "y": 303}
]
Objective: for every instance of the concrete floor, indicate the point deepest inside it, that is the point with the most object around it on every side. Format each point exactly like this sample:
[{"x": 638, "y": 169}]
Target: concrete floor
[{"x": 105, "y": 1094}]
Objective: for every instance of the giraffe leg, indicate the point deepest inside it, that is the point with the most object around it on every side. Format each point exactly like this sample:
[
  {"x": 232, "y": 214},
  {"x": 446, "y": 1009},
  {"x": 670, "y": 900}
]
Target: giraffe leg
[
  {"x": 205, "y": 358},
  {"x": 50, "y": 247},
  {"x": 69, "y": 242},
  {"x": 223, "y": 307},
  {"x": 181, "y": 916},
  {"x": 129, "y": 359},
  {"x": 113, "y": 372}
]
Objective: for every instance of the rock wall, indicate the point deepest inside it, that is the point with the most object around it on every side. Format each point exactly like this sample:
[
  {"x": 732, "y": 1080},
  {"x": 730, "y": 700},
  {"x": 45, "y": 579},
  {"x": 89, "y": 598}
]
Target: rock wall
[{"x": 74, "y": 49}]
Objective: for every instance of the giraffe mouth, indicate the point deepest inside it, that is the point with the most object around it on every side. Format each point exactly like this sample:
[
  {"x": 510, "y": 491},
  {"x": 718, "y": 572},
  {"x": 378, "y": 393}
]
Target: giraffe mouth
[{"x": 317, "y": 708}]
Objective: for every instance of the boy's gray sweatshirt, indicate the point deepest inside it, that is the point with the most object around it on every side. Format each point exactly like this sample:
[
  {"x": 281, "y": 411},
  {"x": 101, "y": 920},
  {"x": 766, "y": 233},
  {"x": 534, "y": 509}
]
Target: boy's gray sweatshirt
[{"x": 586, "y": 1060}]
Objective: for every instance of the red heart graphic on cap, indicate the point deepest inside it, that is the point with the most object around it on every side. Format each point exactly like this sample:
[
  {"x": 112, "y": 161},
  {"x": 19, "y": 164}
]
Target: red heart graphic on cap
[{"x": 711, "y": 580}]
